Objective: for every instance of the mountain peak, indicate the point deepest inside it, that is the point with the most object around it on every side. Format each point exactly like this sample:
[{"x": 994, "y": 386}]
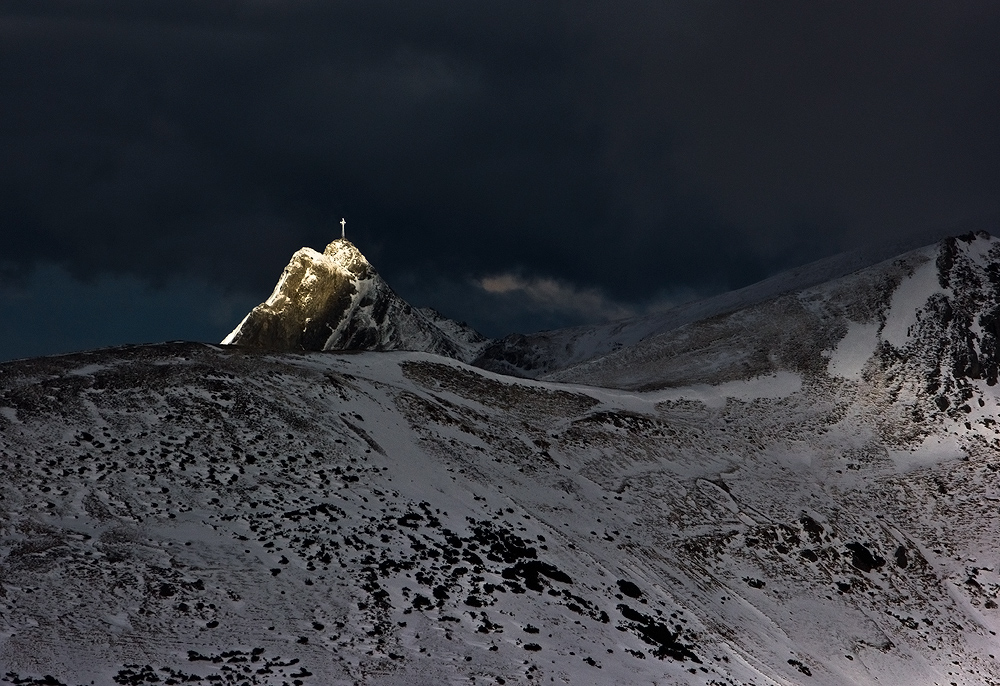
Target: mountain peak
[
  {"x": 347, "y": 256},
  {"x": 336, "y": 300}
]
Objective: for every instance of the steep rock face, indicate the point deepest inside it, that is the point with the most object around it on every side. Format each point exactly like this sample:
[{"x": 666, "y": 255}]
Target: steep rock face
[
  {"x": 935, "y": 352},
  {"x": 335, "y": 300}
]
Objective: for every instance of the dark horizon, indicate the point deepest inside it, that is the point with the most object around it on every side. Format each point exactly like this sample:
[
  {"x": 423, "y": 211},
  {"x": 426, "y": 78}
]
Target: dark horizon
[{"x": 526, "y": 167}]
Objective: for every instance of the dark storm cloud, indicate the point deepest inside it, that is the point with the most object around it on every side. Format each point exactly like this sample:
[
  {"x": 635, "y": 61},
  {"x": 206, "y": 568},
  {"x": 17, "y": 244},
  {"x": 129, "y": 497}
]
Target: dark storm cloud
[{"x": 629, "y": 151}]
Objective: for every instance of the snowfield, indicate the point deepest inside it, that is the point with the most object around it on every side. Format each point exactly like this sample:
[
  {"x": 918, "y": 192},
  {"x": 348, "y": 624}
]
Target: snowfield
[{"x": 820, "y": 510}]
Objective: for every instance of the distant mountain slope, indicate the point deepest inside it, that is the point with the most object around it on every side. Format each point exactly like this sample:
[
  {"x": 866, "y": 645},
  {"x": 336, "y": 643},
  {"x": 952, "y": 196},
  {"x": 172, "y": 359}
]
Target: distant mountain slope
[
  {"x": 537, "y": 354},
  {"x": 335, "y": 300},
  {"x": 545, "y": 353},
  {"x": 929, "y": 316},
  {"x": 182, "y": 512}
]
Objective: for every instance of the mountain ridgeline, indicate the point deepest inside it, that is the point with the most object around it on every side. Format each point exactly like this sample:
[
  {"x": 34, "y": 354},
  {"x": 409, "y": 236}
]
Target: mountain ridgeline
[
  {"x": 923, "y": 325},
  {"x": 335, "y": 300}
]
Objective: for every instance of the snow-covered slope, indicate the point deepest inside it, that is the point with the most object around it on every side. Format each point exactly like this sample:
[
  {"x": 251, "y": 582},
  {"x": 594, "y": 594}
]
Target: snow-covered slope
[
  {"x": 335, "y": 300},
  {"x": 546, "y": 352},
  {"x": 185, "y": 511},
  {"x": 804, "y": 491}
]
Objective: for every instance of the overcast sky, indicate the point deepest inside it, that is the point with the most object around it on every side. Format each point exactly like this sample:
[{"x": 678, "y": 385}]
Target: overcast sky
[{"x": 519, "y": 165}]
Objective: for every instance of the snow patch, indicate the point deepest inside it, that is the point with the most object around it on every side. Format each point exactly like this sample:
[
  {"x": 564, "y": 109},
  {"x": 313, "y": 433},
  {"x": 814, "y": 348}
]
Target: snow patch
[
  {"x": 908, "y": 299},
  {"x": 228, "y": 340},
  {"x": 772, "y": 387},
  {"x": 852, "y": 352},
  {"x": 934, "y": 450},
  {"x": 87, "y": 370}
]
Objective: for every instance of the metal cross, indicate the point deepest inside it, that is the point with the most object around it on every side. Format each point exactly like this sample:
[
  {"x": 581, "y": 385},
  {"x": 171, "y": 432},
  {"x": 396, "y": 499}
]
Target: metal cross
[{"x": 343, "y": 226}]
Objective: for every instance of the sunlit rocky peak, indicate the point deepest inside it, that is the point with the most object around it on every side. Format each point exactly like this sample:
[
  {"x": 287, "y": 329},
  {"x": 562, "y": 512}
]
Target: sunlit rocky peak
[{"x": 336, "y": 300}]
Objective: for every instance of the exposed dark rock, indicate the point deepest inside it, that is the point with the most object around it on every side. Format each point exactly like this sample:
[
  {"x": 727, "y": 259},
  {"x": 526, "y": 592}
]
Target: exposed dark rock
[
  {"x": 660, "y": 635},
  {"x": 864, "y": 559},
  {"x": 629, "y": 589}
]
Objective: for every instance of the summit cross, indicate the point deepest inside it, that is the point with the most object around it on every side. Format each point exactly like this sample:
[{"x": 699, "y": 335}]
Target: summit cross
[{"x": 343, "y": 227}]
